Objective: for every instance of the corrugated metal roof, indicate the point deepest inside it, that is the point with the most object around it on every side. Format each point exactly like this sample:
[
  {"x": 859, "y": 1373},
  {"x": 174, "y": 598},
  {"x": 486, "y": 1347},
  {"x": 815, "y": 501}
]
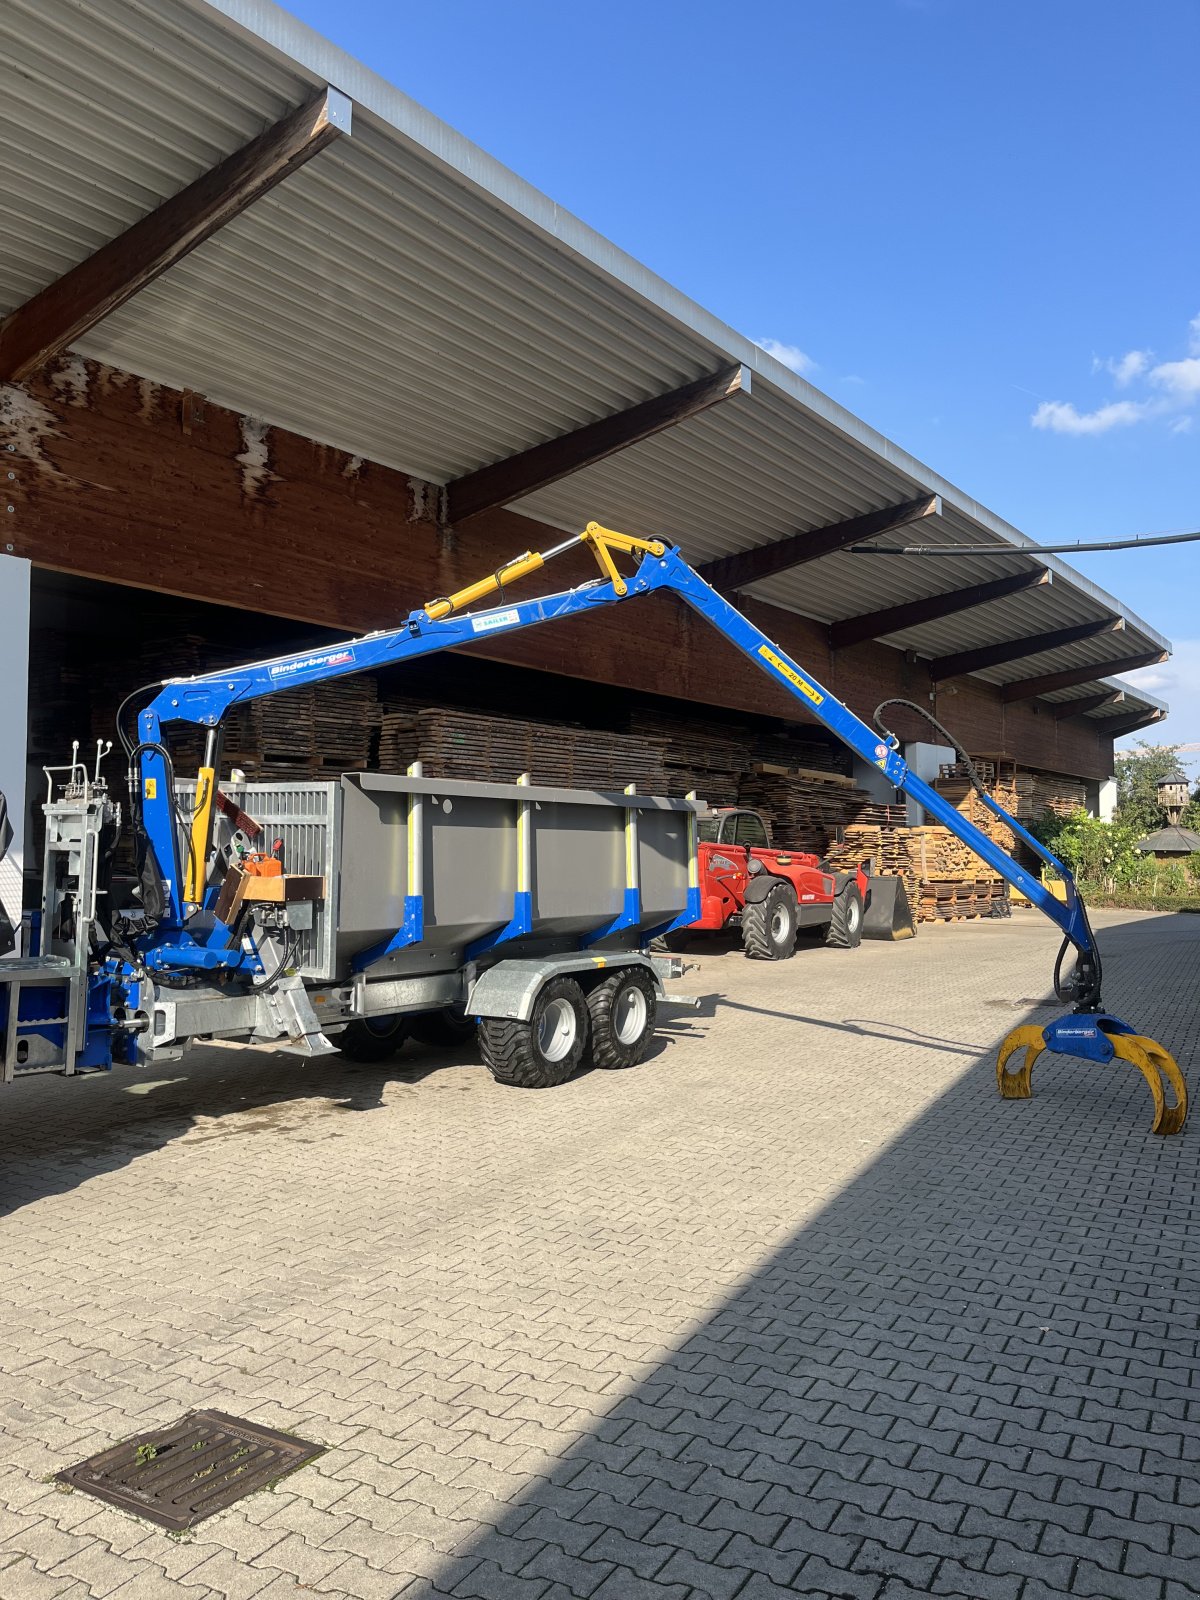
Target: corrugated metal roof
[{"x": 408, "y": 299}]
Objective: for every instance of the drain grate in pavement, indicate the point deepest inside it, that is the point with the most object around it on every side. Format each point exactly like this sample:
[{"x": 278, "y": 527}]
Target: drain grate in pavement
[{"x": 179, "y": 1475}]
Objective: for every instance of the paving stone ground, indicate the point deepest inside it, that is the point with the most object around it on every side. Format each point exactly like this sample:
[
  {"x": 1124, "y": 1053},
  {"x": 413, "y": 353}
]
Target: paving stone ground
[{"x": 799, "y": 1306}]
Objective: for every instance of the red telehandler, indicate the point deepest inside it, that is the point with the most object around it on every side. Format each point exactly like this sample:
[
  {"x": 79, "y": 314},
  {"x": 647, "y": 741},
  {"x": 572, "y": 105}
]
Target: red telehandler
[{"x": 775, "y": 894}]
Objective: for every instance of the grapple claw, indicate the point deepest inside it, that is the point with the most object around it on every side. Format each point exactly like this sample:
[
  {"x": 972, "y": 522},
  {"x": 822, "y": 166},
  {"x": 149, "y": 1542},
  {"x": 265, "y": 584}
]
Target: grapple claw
[
  {"x": 1162, "y": 1064},
  {"x": 1017, "y": 1085},
  {"x": 1098, "y": 1037}
]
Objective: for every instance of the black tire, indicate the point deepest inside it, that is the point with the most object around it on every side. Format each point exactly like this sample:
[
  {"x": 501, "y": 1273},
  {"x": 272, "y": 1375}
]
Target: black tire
[
  {"x": 444, "y": 1029},
  {"x": 846, "y": 923},
  {"x": 372, "y": 1038},
  {"x": 623, "y": 1011},
  {"x": 769, "y": 926},
  {"x": 547, "y": 1049}
]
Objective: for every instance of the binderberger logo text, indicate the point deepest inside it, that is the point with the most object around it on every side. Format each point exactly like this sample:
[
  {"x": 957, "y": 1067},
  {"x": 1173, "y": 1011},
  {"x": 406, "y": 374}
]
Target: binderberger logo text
[{"x": 331, "y": 658}]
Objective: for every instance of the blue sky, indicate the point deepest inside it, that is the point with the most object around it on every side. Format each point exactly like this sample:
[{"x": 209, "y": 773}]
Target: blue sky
[{"x": 973, "y": 225}]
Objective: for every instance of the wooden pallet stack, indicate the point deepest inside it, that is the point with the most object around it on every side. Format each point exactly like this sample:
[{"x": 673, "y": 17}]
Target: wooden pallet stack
[
  {"x": 885, "y": 848},
  {"x": 795, "y": 749},
  {"x": 701, "y": 754},
  {"x": 310, "y": 731},
  {"x": 473, "y": 745},
  {"x": 1042, "y": 794},
  {"x": 804, "y": 808}
]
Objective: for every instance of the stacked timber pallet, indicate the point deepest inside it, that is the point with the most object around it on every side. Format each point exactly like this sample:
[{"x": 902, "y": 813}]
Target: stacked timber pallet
[
  {"x": 804, "y": 808},
  {"x": 795, "y": 750},
  {"x": 944, "y": 880},
  {"x": 468, "y": 744},
  {"x": 310, "y": 731},
  {"x": 886, "y": 849},
  {"x": 1043, "y": 794},
  {"x": 699, "y": 754}
]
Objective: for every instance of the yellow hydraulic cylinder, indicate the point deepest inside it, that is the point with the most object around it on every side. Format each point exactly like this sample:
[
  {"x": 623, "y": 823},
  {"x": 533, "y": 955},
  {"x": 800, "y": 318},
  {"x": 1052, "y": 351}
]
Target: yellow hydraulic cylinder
[{"x": 206, "y": 794}]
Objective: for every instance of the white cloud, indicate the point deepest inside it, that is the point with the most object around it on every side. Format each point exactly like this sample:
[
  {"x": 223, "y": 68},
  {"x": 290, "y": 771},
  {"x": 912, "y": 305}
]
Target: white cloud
[
  {"x": 1059, "y": 416},
  {"x": 1181, "y": 379},
  {"x": 790, "y": 354},
  {"x": 1123, "y": 368},
  {"x": 1174, "y": 388}
]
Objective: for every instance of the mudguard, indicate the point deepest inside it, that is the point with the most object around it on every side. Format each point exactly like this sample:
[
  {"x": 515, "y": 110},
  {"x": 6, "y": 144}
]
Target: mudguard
[{"x": 760, "y": 886}]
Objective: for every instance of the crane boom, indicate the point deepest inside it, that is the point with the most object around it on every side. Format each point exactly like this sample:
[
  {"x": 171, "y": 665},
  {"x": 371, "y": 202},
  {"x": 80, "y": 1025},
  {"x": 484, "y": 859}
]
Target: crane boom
[
  {"x": 443, "y": 625},
  {"x": 446, "y": 623}
]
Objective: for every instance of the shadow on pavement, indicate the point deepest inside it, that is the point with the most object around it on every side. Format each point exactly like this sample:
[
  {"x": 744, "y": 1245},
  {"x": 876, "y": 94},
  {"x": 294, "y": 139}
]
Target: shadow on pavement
[{"x": 970, "y": 1374}]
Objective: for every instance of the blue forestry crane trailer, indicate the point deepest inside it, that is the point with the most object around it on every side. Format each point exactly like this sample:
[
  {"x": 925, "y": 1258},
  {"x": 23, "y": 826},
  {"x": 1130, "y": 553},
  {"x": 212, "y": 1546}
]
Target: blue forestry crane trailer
[{"x": 389, "y": 916}]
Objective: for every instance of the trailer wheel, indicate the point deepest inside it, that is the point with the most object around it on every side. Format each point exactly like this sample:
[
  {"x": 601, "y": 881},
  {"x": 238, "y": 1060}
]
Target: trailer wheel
[
  {"x": 373, "y": 1038},
  {"x": 547, "y": 1049},
  {"x": 846, "y": 920},
  {"x": 443, "y": 1029},
  {"x": 769, "y": 925},
  {"x": 623, "y": 1011}
]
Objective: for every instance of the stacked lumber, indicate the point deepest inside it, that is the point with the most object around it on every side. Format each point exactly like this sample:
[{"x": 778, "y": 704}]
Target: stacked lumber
[
  {"x": 804, "y": 808},
  {"x": 943, "y": 878},
  {"x": 965, "y": 799},
  {"x": 1041, "y": 794},
  {"x": 700, "y": 754},
  {"x": 958, "y": 899},
  {"x": 473, "y": 745},
  {"x": 310, "y": 731},
  {"x": 886, "y": 849},
  {"x": 796, "y": 748}
]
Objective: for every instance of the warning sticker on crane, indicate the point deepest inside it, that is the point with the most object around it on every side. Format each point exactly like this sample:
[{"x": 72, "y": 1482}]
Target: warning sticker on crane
[{"x": 790, "y": 673}]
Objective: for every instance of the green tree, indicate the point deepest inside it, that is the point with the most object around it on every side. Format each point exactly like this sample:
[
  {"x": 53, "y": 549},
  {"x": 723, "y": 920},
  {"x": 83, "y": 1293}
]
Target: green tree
[{"x": 1139, "y": 772}]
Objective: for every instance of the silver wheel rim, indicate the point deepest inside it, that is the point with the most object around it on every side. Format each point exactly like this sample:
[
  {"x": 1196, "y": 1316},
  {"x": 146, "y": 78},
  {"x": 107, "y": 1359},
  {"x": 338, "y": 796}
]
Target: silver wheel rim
[
  {"x": 556, "y": 1030},
  {"x": 852, "y": 918},
  {"x": 781, "y": 924},
  {"x": 629, "y": 1015}
]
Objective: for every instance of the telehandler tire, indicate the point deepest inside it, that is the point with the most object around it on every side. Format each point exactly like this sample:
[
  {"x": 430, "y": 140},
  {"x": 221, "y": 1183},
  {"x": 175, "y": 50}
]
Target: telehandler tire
[
  {"x": 769, "y": 925},
  {"x": 546, "y": 1050},
  {"x": 623, "y": 1011},
  {"x": 846, "y": 922},
  {"x": 443, "y": 1029},
  {"x": 372, "y": 1038}
]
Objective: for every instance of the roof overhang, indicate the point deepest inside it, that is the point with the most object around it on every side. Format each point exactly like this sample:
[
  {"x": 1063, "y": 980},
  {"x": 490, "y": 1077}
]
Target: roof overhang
[{"x": 407, "y": 298}]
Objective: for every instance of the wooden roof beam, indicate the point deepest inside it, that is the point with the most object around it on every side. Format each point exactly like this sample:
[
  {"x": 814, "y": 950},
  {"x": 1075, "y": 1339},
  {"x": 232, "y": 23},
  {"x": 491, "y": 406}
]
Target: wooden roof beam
[
  {"x": 66, "y": 309},
  {"x": 1117, "y": 727},
  {"x": 1031, "y": 688},
  {"x": 543, "y": 464},
  {"x": 1035, "y": 644},
  {"x": 893, "y": 619},
  {"x": 766, "y": 560},
  {"x": 1059, "y": 709}
]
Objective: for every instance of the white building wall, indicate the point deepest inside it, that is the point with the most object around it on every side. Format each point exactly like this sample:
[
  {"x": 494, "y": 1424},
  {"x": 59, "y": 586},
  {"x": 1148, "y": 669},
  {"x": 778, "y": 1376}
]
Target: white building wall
[
  {"x": 924, "y": 760},
  {"x": 14, "y": 721}
]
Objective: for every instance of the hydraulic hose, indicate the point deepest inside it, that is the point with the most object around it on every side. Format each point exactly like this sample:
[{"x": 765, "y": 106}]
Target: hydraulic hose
[{"x": 1084, "y": 988}]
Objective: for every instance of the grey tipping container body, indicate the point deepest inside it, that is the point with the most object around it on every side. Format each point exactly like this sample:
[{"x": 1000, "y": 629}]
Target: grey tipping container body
[{"x": 465, "y": 855}]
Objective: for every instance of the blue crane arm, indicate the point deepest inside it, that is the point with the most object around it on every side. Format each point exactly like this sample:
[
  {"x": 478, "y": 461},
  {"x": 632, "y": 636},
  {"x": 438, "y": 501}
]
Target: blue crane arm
[{"x": 204, "y": 700}]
